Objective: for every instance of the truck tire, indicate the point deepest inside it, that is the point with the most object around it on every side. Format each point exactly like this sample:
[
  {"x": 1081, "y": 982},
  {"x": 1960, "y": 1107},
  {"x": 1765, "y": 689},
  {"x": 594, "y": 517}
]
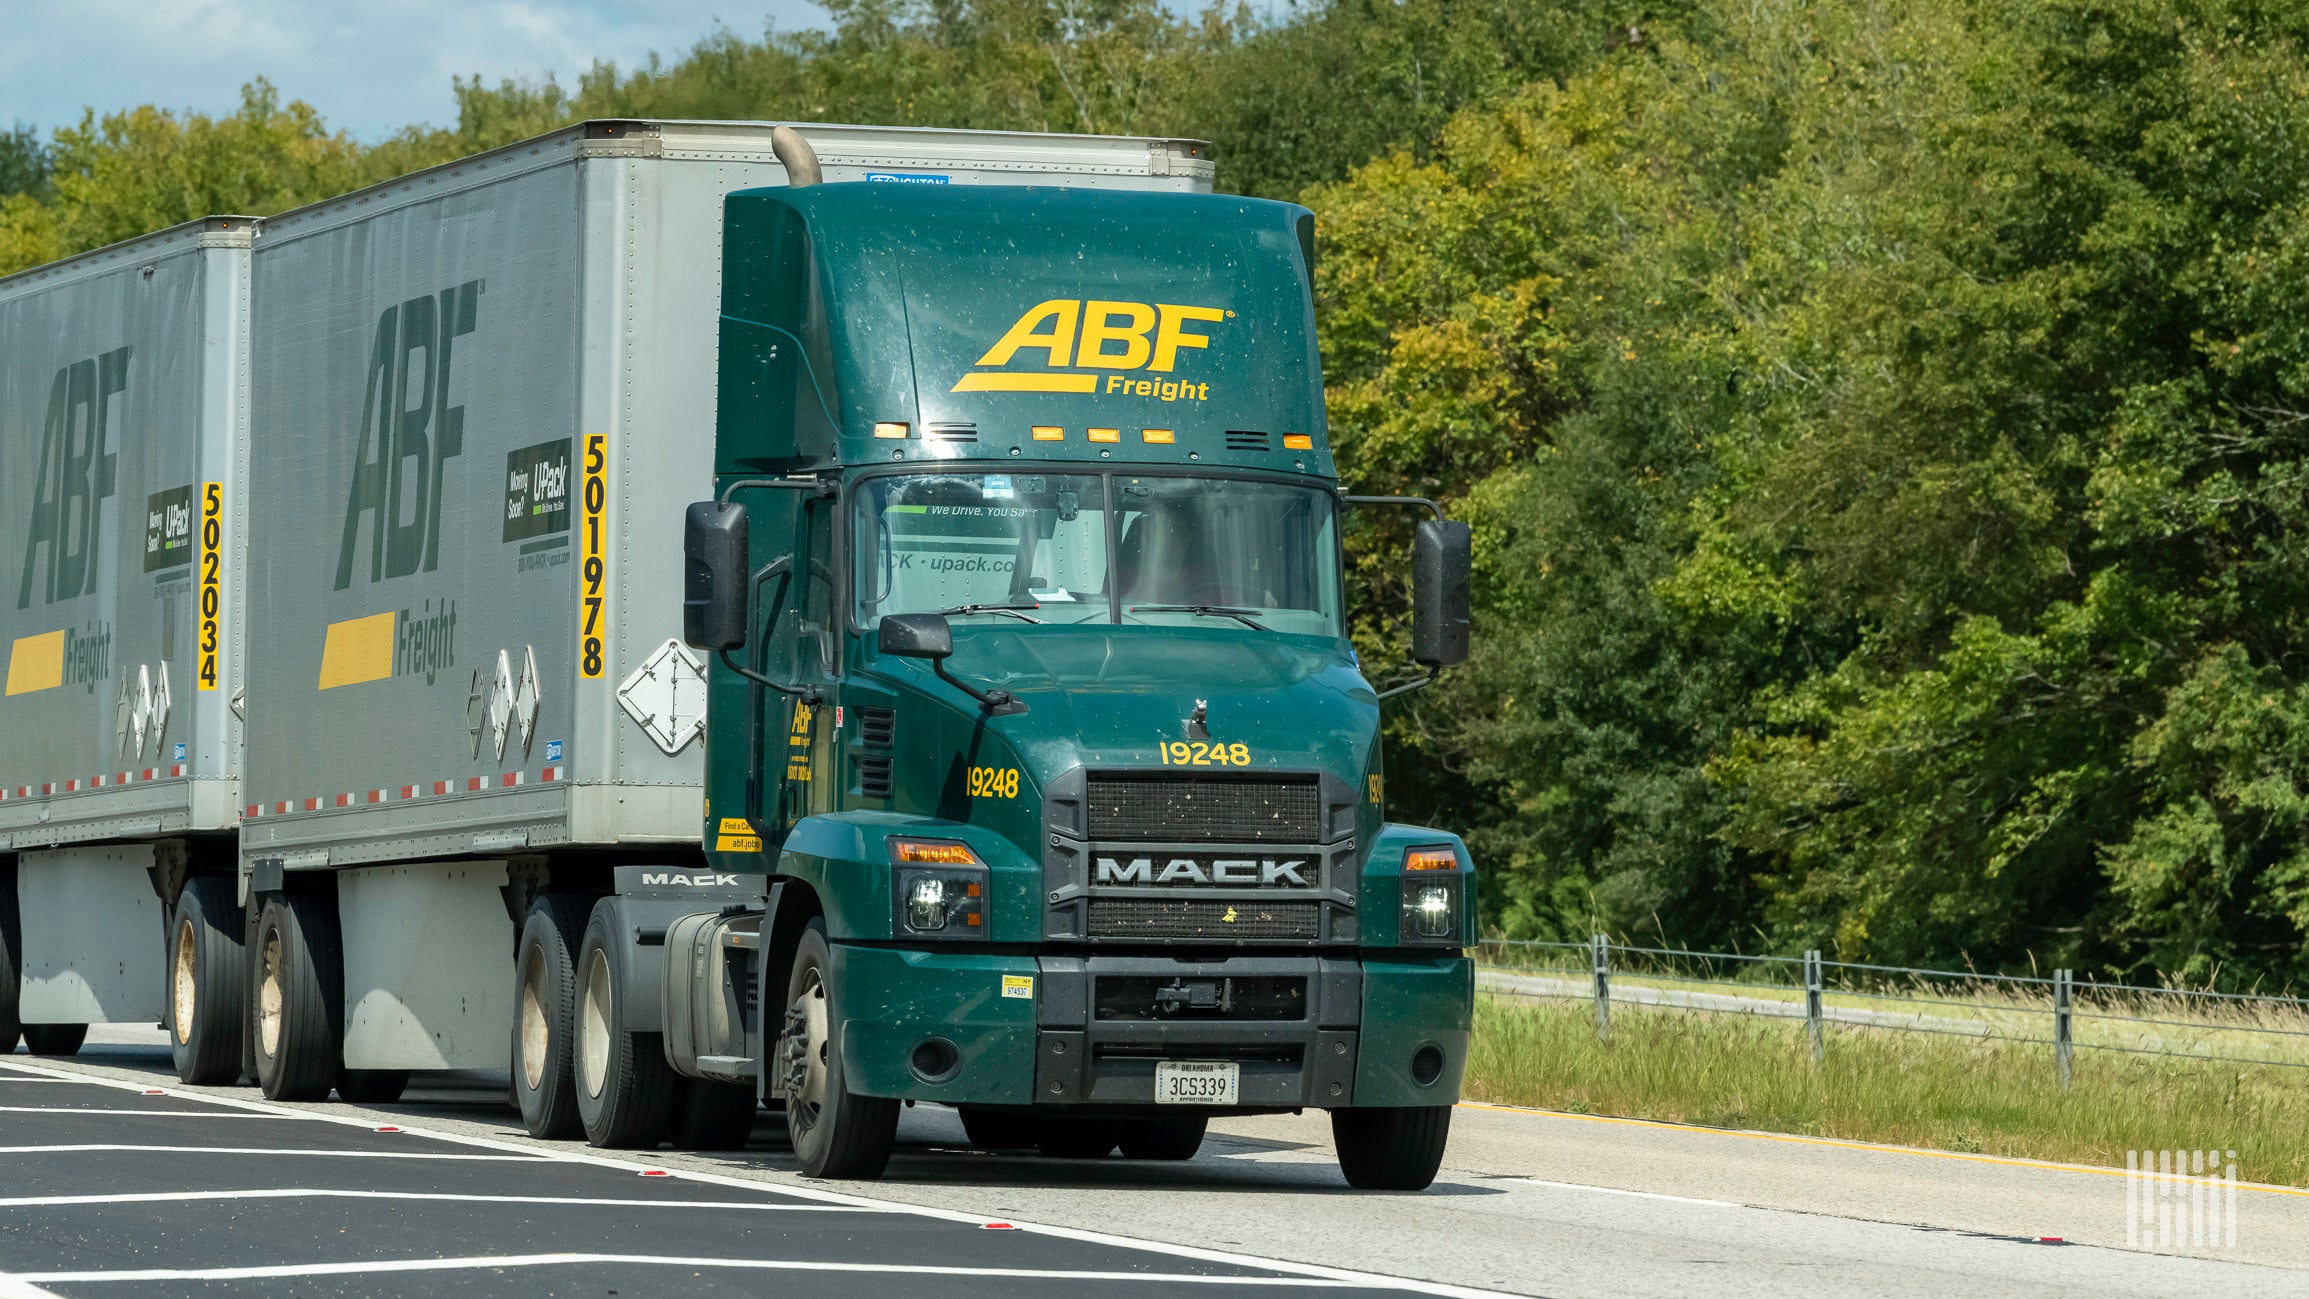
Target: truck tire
[
  {"x": 11, "y": 984},
  {"x": 836, "y": 1133},
  {"x": 208, "y": 983},
  {"x": 710, "y": 1115},
  {"x": 624, "y": 1085},
  {"x": 299, "y": 1023},
  {"x": 1384, "y": 1149},
  {"x": 1163, "y": 1138},
  {"x": 995, "y": 1130},
  {"x": 371, "y": 1086},
  {"x": 1078, "y": 1138},
  {"x": 545, "y": 995},
  {"x": 54, "y": 1039}
]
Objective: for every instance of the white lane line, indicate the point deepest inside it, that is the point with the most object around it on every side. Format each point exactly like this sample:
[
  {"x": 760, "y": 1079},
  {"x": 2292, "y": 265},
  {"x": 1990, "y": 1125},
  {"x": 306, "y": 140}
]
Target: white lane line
[
  {"x": 1613, "y": 1190},
  {"x": 748, "y": 1264},
  {"x": 1197, "y": 1253},
  {"x": 317, "y": 1193},
  {"x": 97, "y": 1146},
  {"x": 65, "y": 1081},
  {"x": 91, "y": 1109},
  {"x": 11, "y": 1288}
]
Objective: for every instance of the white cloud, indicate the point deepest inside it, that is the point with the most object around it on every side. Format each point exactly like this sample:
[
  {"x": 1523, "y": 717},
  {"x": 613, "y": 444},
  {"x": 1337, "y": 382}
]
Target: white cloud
[{"x": 368, "y": 67}]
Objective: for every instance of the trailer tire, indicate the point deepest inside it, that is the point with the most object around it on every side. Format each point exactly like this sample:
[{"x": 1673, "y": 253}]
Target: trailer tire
[
  {"x": 1078, "y": 1138},
  {"x": 11, "y": 985},
  {"x": 1391, "y": 1149},
  {"x": 208, "y": 983},
  {"x": 545, "y": 1016},
  {"x": 835, "y": 1132},
  {"x": 710, "y": 1115},
  {"x": 996, "y": 1130},
  {"x": 55, "y": 1039},
  {"x": 1163, "y": 1138},
  {"x": 624, "y": 1086},
  {"x": 371, "y": 1086},
  {"x": 297, "y": 977}
]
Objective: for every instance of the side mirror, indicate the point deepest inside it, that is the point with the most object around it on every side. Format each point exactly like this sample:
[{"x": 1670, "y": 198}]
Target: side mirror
[
  {"x": 916, "y": 635},
  {"x": 713, "y": 596},
  {"x": 1441, "y": 558}
]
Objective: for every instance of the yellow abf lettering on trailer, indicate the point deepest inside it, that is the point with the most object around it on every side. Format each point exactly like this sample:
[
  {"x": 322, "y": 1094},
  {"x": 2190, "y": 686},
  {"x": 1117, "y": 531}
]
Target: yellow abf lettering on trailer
[
  {"x": 36, "y": 663},
  {"x": 210, "y": 575},
  {"x": 593, "y": 559},
  {"x": 1095, "y": 334}
]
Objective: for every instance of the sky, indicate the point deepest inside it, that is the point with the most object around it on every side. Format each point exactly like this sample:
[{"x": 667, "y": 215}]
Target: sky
[{"x": 369, "y": 67}]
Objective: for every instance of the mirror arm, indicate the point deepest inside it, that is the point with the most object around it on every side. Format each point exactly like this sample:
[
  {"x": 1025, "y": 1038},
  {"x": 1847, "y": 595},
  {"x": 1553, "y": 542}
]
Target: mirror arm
[
  {"x": 776, "y": 567},
  {"x": 822, "y": 489},
  {"x": 994, "y": 701},
  {"x": 1409, "y": 686},
  {"x": 1415, "y": 502}
]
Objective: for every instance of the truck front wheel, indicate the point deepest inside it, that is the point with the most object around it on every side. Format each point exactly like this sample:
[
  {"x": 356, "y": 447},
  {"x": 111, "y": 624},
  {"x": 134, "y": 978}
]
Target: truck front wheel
[
  {"x": 1384, "y": 1149},
  {"x": 835, "y": 1133}
]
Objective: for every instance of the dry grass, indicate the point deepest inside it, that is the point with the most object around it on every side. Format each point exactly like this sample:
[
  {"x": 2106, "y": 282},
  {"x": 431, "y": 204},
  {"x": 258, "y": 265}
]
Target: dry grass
[{"x": 1948, "y": 1093}]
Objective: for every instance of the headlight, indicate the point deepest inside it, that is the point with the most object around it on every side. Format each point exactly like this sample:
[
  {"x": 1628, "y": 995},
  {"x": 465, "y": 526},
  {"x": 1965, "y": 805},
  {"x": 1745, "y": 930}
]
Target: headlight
[
  {"x": 1431, "y": 910},
  {"x": 939, "y": 890}
]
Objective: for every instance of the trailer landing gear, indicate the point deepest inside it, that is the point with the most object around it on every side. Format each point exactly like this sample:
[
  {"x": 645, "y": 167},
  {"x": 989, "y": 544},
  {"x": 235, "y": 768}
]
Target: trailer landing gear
[{"x": 835, "y": 1133}]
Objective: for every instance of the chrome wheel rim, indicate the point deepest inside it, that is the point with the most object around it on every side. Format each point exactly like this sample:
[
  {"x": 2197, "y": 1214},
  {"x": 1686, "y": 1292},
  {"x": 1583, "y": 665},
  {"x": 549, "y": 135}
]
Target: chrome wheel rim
[
  {"x": 806, "y": 1102},
  {"x": 269, "y": 997},
  {"x": 593, "y": 1036},
  {"x": 181, "y": 988}
]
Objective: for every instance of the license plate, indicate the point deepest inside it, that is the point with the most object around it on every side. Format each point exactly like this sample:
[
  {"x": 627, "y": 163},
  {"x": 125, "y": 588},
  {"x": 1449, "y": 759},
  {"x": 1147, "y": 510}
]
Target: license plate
[{"x": 1197, "y": 1082}]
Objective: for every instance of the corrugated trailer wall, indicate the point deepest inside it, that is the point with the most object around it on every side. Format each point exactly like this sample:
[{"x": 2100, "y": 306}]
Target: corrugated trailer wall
[{"x": 122, "y": 388}]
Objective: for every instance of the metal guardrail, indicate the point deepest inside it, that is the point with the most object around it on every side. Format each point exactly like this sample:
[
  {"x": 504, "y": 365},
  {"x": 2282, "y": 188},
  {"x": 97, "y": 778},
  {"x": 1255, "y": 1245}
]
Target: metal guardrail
[{"x": 1991, "y": 1002}]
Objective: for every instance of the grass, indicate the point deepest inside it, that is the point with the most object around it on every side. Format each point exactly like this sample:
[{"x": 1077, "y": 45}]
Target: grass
[{"x": 1939, "y": 1092}]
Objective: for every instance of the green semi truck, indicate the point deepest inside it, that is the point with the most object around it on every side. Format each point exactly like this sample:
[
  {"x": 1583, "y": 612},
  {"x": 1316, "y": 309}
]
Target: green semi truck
[{"x": 991, "y": 738}]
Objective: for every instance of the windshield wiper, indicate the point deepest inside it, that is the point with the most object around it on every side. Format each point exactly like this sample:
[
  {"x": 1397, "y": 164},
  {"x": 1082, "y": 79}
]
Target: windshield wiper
[
  {"x": 1242, "y": 616},
  {"x": 1009, "y": 608}
]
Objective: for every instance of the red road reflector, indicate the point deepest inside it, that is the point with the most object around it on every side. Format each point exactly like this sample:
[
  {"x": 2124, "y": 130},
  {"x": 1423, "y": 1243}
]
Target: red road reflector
[
  {"x": 996, "y": 1226},
  {"x": 655, "y": 1172},
  {"x": 388, "y": 1128},
  {"x": 154, "y": 1091},
  {"x": 2050, "y": 1240}
]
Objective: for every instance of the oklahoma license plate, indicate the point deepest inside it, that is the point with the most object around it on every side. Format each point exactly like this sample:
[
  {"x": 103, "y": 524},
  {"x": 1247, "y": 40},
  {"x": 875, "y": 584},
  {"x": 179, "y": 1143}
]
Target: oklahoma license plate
[{"x": 1197, "y": 1082}]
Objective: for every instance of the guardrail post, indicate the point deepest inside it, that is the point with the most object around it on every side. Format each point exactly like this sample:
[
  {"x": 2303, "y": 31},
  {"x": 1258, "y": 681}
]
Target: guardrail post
[
  {"x": 2063, "y": 1015},
  {"x": 1602, "y": 947},
  {"x": 1812, "y": 990}
]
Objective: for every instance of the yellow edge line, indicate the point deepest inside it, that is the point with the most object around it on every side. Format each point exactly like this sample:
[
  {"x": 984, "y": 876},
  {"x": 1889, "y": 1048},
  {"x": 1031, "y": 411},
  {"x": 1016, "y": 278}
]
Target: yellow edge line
[{"x": 1848, "y": 1145}]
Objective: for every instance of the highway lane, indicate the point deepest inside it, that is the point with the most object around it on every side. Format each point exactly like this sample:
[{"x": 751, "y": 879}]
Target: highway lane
[{"x": 1531, "y": 1203}]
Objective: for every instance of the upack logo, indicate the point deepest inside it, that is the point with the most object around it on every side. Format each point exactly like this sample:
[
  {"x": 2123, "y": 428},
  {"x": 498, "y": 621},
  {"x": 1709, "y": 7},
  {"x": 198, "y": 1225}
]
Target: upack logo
[
  {"x": 1094, "y": 334},
  {"x": 75, "y": 478},
  {"x": 407, "y": 419}
]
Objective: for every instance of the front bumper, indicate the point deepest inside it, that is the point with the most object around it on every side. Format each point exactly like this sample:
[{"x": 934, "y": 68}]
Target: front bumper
[{"x": 1311, "y": 1031}]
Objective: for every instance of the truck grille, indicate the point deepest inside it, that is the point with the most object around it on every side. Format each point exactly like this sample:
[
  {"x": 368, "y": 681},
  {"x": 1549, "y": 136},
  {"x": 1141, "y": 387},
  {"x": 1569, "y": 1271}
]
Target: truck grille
[
  {"x": 1198, "y": 809},
  {"x": 1194, "y": 918}
]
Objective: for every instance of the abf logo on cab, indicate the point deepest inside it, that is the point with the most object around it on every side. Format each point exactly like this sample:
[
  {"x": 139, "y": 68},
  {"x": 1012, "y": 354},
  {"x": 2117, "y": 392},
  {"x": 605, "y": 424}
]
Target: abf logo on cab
[{"x": 1084, "y": 335}]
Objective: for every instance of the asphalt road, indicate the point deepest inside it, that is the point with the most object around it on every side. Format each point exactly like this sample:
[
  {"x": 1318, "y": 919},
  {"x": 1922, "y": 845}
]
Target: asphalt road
[{"x": 106, "y": 1190}]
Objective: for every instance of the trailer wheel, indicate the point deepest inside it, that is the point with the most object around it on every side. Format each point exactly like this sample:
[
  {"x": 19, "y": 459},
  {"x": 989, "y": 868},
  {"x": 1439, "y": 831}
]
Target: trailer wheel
[
  {"x": 1078, "y": 1138},
  {"x": 1163, "y": 1138},
  {"x": 1389, "y": 1149},
  {"x": 836, "y": 1133},
  {"x": 624, "y": 1085},
  {"x": 371, "y": 1086},
  {"x": 995, "y": 1130},
  {"x": 299, "y": 1040},
  {"x": 208, "y": 983},
  {"x": 54, "y": 1039},
  {"x": 11, "y": 987},
  {"x": 710, "y": 1115},
  {"x": 545, "y": 970}
]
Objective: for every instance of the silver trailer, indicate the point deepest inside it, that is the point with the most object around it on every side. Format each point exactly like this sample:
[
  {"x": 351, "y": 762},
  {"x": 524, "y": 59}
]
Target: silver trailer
[
  {"x": 123, "y": 385},
  {"x": 483, "y": 396}
]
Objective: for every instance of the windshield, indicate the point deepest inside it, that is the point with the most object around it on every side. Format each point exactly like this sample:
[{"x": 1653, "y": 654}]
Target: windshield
[{"x": 1100, "y": 548}]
